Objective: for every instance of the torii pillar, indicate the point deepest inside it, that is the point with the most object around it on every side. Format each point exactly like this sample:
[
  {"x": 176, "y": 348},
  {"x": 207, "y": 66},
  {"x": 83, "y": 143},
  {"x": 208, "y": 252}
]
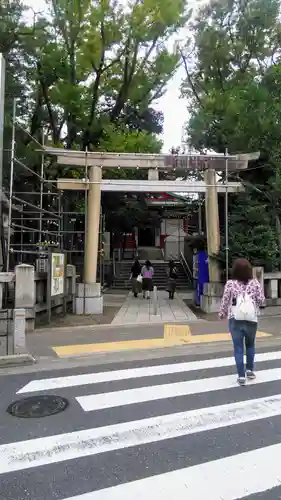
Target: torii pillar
[
  {"x": 93, "y": 223},
  {"x": 89, "y": 299},
  {"x": 212, "y": 223}
]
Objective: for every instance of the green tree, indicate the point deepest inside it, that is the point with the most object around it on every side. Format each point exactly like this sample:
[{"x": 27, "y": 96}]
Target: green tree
[
  {"x": 251, "y": 232},
  {"x": 233, "y": 83},
  {"x": 98, "y": 66},
  {"x": 88, "y": 72}
]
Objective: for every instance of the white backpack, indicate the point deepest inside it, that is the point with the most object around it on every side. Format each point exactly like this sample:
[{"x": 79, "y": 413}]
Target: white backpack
[{"x": 245, "y": 309}]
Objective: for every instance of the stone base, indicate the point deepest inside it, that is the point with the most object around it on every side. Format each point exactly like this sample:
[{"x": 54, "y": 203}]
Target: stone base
[
  {"x": 211, "y": 298},
  {"x": 210, "y": 304},
  {"x": 16, "y": 360},
  {"x": 91, "y": 302}
]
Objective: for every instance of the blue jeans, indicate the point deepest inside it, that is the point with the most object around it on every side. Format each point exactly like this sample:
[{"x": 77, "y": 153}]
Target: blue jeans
[{"x": 243, "y": 331}]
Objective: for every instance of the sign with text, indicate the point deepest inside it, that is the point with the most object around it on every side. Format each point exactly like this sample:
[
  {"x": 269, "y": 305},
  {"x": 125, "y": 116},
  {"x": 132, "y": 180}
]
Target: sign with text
[{"x": 57, "y": 274}]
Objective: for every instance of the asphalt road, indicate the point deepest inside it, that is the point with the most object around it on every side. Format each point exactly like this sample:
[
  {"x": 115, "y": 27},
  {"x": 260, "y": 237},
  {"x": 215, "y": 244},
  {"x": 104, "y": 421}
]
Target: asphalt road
[{"x": 203, "y": 432}]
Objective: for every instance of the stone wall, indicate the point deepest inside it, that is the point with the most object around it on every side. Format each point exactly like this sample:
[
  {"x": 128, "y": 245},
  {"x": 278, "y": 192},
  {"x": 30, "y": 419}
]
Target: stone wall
[{"x": 271, "y": 283}]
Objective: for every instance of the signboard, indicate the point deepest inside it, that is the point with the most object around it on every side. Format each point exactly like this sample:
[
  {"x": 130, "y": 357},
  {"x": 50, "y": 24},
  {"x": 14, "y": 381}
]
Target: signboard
[{"x": 57, "y": 273}]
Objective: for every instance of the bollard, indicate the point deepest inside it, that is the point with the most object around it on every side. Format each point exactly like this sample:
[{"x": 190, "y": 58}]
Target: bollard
[{"x": 154, "y": 300}]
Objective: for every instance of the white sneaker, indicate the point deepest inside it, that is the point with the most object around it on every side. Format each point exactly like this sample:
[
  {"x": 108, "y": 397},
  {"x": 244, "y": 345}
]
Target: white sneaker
[{"x": 241, "y": 380}]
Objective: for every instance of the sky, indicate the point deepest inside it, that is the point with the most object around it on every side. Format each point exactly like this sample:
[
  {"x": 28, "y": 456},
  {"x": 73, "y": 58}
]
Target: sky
[{"x": 173, "y": 107}]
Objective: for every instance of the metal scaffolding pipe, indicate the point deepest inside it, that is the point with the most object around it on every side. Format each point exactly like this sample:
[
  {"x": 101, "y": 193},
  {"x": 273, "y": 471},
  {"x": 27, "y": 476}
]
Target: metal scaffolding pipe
[
  {"x": 11, "y": 184},
  {"x": 41, "y": 190},
  {"x": 51, "y": 193},
  {"x": 26, "y": 167},
  {"x": 226, "y": 215},
  {"x": 32, "y": 205},
  {"x": 26, "y": 228}
]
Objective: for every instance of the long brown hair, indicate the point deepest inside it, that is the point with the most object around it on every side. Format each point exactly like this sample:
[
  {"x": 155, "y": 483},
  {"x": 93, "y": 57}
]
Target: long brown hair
[{"x": 242, "y": 270}]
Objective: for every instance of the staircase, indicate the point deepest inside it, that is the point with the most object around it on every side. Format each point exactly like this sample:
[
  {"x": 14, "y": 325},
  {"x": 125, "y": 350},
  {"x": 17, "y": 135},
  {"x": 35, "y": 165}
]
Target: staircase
[
  {"x": 123, "y": 271},
  {"x": 149, "y": 253}
]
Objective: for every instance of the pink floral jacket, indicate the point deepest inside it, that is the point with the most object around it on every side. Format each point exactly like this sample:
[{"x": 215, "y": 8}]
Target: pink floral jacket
[{"x": 233, "y": 288}]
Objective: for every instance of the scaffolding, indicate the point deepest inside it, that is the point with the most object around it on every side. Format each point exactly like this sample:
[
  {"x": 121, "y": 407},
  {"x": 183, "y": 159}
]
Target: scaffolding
[
  {"x": 34, "y": 204},
  {"x": 40, "y": 216}
]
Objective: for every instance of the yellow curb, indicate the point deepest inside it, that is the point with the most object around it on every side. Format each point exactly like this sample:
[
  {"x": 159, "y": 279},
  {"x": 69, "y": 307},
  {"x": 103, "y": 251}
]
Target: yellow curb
[{"x": 72, "y": 350}]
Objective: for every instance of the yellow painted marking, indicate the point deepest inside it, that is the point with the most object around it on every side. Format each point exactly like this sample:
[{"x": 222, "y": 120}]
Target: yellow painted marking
[
  {"x": 216, "y": 337},
  {"x": 72, "y": 350},
  {"x": 176, "y": 331},
  {"x": 76, "y": 350}
]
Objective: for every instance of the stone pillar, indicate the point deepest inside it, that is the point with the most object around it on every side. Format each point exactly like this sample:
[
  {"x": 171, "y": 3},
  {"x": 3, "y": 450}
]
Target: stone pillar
[
  {"x": 258, "y": 274},
  {"x": 92, "y": 237},
  {"x": 71, "y": 284},
  {"x": 212, "y": 223},
  {"x": 211, "y": 298},
  {"x": 71, "y": 274},
  {"x": 19, "y": 331},
  {"x": 25, "y": 293},
  {"x": 273, "y": 289},
  {"x": 153, "y": 174}
]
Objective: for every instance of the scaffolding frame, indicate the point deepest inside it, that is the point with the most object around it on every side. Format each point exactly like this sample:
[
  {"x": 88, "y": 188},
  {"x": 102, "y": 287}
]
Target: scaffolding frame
[{"x": 37, "y": 213}]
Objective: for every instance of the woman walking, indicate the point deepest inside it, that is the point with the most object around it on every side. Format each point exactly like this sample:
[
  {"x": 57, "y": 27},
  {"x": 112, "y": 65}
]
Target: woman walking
[
  {"x": 147, "y": 273},
  {"x": 172, "y": 281},
  {"x": 242, "y": 298},
  {"x": 135, "y": 273}
]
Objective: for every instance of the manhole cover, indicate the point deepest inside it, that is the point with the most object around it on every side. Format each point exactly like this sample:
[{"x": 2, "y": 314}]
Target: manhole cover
[{"x": 37, "y": 406}]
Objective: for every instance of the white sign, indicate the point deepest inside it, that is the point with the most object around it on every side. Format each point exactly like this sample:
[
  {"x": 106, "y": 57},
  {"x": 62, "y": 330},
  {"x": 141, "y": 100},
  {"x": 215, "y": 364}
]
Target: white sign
[{"x": 57, "y": 273}]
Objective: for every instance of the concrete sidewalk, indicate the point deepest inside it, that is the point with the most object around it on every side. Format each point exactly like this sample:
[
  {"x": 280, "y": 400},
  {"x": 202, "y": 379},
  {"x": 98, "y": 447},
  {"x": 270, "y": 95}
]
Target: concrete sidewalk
[{"x": 139, "y": 310}]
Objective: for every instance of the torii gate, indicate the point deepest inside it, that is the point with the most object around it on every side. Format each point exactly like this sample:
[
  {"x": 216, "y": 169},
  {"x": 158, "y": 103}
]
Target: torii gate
[{"x": 97, "y": 161}]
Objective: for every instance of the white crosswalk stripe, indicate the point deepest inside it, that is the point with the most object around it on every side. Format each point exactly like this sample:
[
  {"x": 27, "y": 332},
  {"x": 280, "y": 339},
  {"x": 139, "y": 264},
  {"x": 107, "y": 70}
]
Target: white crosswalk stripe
[
  {"x": 212, "y": 406},
  {"x": 149, "y": 371},
  {"x": 154, "y": 393},
  {"x": 217, "y": 480}
]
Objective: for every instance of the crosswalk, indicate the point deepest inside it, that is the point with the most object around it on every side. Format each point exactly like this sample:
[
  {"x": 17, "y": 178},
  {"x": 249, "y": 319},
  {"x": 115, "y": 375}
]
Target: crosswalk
[{"x": 171, "y": 431}]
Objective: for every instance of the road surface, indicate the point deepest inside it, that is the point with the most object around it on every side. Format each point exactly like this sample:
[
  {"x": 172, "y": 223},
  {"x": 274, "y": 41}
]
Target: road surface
[{"x": 163, "y": 428}]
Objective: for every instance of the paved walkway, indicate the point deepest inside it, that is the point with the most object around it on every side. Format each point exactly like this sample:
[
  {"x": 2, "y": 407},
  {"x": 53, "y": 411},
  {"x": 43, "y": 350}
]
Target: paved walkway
[{"x": 139, "y": 310}]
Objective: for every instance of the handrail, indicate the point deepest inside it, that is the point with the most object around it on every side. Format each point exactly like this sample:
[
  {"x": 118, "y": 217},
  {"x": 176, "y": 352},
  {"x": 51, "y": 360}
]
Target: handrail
[
  {"x": 186, "y": 266},
  {"x": 113, "y": 264}
]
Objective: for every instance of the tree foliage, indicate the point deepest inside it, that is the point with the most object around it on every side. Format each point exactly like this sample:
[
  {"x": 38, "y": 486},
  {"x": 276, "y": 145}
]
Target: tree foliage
[
  {"x": 233, "y": 77},
  {"x": 86, "y": 74},
  {"x": 98, "y": 65}
]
